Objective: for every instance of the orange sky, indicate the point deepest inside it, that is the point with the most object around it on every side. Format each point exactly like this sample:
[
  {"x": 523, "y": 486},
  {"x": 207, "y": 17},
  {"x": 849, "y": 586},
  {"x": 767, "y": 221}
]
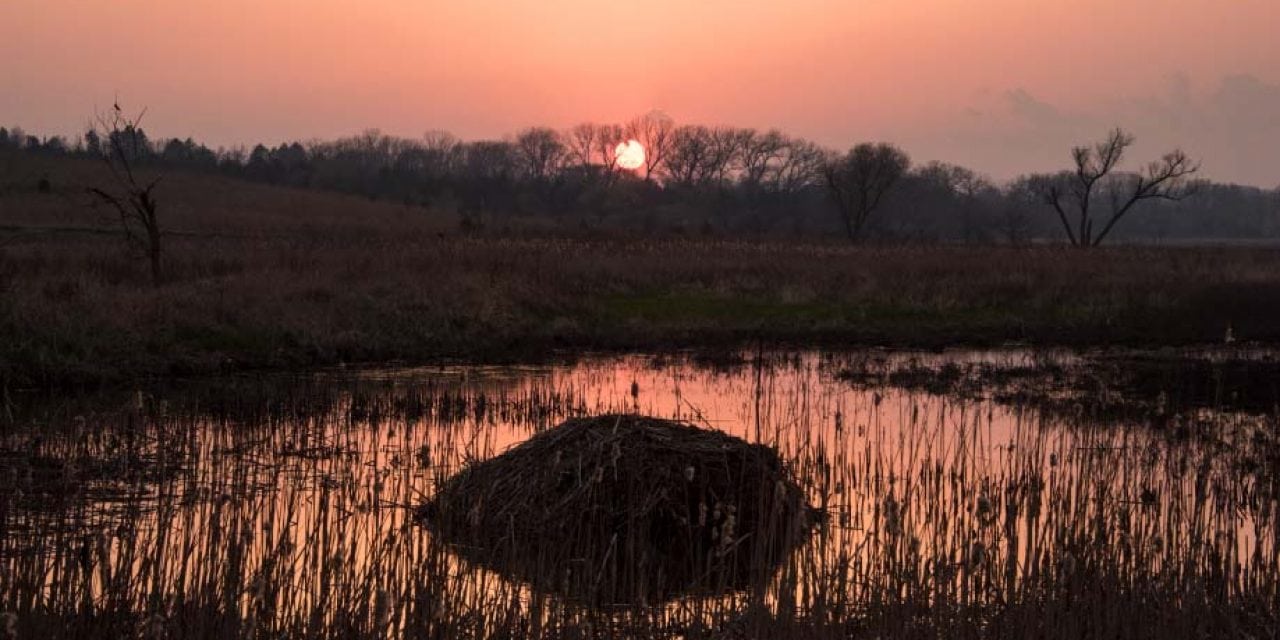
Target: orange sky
[{"x": 1000, "y": 85}]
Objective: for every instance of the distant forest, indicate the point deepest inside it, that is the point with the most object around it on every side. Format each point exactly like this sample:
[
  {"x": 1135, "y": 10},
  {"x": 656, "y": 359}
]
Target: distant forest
[{"x": 695, "y": 179}]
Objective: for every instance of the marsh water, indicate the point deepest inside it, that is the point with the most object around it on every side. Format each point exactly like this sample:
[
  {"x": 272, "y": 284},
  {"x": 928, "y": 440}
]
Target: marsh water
[{"x": 284, "y": 504}]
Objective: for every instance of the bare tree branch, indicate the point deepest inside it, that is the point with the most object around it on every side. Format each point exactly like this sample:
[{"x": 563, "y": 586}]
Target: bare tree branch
[
  {"x": 133, "y": 200},
  {"x": 1095, "y": 174},
  {"x": 859, "y": 180}
]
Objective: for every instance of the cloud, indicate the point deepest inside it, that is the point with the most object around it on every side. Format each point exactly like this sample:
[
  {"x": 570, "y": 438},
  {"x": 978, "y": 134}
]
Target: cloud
[
  {"x": 1021, "y": 104},
  {"x": 1232, "y": 126}
]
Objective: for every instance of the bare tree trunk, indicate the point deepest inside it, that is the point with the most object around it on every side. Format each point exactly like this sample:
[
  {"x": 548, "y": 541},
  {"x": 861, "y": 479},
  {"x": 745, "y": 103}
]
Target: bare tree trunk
[{"x": 132, "y": 200}]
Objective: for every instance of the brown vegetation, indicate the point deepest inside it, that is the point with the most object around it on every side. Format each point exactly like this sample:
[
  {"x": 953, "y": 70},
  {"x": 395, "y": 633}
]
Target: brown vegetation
[
  {"x": 625, "y": 509},
  {"x": 269, "y": 277},
  {"x": 256, "y": 509}
]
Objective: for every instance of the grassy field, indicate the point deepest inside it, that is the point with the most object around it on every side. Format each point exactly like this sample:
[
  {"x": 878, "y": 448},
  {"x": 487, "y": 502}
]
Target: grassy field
[{"x": 260, "y": 277}]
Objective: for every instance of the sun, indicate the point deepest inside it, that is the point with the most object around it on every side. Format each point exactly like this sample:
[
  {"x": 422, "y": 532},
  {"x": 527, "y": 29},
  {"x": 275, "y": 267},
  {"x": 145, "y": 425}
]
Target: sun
[{"x": 629, "y": 154}]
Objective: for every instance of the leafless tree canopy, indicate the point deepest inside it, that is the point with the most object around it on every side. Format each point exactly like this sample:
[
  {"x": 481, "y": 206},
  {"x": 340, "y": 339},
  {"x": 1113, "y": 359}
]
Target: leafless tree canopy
[
  {"x": 653, "y": 131},
  {"x": 1096, "y": 192},
  {"x": 129, "y": 196},
  {"x": 540, "y": 152},
  {"x": 708, "y": 177},
  {"x": 859, "y": 180}
]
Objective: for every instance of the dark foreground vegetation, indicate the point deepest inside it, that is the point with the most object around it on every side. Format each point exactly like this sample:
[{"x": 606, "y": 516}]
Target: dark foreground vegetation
[
  {"x": 259, "y": 507},
  {"x": 259, "y": 276},
  {"x": 626, "y": 510}
]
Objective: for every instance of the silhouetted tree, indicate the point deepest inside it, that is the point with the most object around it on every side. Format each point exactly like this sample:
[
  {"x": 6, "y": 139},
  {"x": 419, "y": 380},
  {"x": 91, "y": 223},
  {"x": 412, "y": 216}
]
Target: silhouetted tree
[
  {"x": 441, "y": 154},
  {"x": 128, "y": 139},
  {"x": 540, "y": 153},
  {"x": 859, "y": 180},
  {"x": 747, "y": 180},
  {"x": 488, "y": 171},
  {"x": 15, "y": 138},
  {"x": 1076, "y": 193},
  {"x": 701, "y": 157},
  {"x": 798, "y": 167},
  {"x": 607, "y": 139},
  {"x": 758, "y": 154},
  {"x": 130, "y": 196},
  {"x": 92, "y": 143},
  {"x": 580, "y": 145},
  {"x": 956, "y": 201},
  {"x": 188, "y": 154},
  {"x": 654, "y": 132}
]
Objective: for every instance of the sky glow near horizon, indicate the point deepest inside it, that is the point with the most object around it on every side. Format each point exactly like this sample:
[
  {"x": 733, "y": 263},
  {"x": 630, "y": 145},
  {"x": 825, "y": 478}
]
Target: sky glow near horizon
[{"x": 1002, "y": 86}]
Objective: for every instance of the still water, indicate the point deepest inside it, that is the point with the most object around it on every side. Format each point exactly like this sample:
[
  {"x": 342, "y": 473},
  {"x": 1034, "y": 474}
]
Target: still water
[{"x": 284, "y": 504}]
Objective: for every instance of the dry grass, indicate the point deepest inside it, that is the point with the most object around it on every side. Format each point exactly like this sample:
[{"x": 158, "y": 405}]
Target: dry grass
[
  {"x": 265, "y": 277},
  {"x": 291, "y": 518},
  {"x": 626, "y": 510}
]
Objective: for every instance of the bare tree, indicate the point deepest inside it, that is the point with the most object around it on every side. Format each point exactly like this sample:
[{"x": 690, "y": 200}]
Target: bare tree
[
  {"x": 759, "y": 154},
  {"x": 725, "y": 156},
  {"x": 798, "y": 167},
  {"x": 690, "y": 148},
  {"x": 131, "y": 197},
  {"x": 593, "y": 148},
  {"x": 580, "y": 144},
  {"x": 442, "y": 154},
  {"x": 1019, "y": 200},
  {"x": 961, "y": 192},
  {"x": 608, "y": 137},
  {"x": 541, "y": 153},
  {"x": 654, "y": 132},
  {"x": 859, "y": 180},
  {"x": 1076, "y": 194},
  {"x": 702, "y": 156}
]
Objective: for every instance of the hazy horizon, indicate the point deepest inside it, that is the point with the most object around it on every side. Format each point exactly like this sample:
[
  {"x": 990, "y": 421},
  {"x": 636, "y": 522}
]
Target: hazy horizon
[{"x": 994, "y": 85}]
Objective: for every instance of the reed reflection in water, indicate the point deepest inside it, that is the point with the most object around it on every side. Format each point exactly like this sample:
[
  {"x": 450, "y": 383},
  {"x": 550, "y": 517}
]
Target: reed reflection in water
[{"x": 252, "y": 508}]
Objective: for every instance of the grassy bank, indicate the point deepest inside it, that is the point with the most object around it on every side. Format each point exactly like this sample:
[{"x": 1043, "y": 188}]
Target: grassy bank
[{"x": 263, "y": 277}]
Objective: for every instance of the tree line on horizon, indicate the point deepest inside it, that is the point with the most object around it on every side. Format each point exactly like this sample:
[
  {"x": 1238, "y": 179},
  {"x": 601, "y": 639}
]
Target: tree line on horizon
[{"x": 700, "y": 179}]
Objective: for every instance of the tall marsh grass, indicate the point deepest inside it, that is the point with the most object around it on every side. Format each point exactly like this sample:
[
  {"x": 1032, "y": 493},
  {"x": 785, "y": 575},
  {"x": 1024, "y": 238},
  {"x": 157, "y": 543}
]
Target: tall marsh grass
[{"x": 284, "y": 509}]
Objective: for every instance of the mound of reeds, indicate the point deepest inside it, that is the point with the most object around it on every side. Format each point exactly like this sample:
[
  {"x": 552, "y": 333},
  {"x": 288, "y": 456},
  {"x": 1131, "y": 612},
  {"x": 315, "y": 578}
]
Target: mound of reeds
[{"x": 625, "y": 509}]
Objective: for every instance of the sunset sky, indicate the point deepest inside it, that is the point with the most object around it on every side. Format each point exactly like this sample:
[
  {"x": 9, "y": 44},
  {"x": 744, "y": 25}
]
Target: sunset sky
[{"x": 1003, "y": 86}]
